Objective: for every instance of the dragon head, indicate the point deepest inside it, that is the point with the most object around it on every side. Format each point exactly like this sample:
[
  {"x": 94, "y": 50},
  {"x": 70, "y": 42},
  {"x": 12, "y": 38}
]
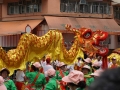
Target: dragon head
[{"x": 90, "y": 41}]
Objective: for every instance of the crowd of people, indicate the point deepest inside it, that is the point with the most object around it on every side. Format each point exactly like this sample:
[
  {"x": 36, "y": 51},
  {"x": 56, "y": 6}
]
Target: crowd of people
[{"x": 84, "y": 74}]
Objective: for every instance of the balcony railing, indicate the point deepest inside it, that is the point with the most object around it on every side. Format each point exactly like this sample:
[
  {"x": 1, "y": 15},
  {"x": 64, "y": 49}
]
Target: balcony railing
[{"x": 86, "y": 8}]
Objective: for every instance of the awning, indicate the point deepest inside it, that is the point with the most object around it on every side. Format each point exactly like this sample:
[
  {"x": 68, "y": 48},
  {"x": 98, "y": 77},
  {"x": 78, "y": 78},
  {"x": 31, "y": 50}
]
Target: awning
[
  {"x": 108, "y": 25},
  {"x": 60, "y": 22},
  {"x": 17, "y": 27},
  {"x": 114, "y": 2}
]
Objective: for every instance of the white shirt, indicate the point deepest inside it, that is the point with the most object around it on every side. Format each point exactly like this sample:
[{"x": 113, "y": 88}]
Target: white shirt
[
  {"x": 43, "y": 63},
  {"x": 46, "y": 67},
  {"x": 20, "y": 76},
  {"x": 109, "y": 64},
  {"x": 70, "y": 67},
  {"x": 79, "y": 63},
  {"x": 57, "y": 63}
]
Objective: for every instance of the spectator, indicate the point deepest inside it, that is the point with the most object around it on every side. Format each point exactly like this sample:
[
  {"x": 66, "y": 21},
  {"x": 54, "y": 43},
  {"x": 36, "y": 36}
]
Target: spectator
[
  {"x": 52, "y": 84},
  {"x": 75, "y": 80},
  {"x": 8, "y": 82},
  {"x": 109, "y": 80},
  {"x": 20, "y": 78},
  {"x": 40, "y": 81}
]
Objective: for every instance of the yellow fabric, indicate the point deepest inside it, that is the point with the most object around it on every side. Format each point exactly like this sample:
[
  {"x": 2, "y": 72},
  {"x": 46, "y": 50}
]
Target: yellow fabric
[
  {"x": 31, "y": 48},
  {"x": 117, "y": 56}
]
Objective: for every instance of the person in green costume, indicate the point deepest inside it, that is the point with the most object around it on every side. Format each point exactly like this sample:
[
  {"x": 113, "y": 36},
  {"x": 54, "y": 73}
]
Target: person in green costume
[
  {"x": 62, "y": 71},
  {"x": 60, "y": 74},
  {"x": 10, "y": 85},
  {"x": 86, "y": 69},
  {"x": 31, "y": 75},
  {"x": 52, "y": 83},
  {"x": 75, "y": 80}
]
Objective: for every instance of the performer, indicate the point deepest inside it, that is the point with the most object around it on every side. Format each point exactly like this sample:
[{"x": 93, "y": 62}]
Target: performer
[
  {"x": 96, "y": 65},
  {"x": 88, "y": 62},
  {"x": 98, "y": 59},
  {"x": 78, "y": 64},
  {"x": 52, "y": 84},
  {"x": 70, "y": 67},
  {"x": 60, "y": 74},
  {"x": 75, "y": 80},
  {"x": 7, "y": 81},
  {"x": 20, "y": 78},
  {"x": 31, "y": 75},
  {"x": 57, "y": 64},
  {"x": 46, "y": 67},
  {"x": 2, "y": 86},
  {"x": 114, "y": 63},
  {"x": 86, "y": 70},
  {"x": 43, "y": 62}
]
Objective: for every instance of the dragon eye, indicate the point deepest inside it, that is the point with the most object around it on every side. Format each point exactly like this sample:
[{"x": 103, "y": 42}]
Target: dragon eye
[{"x": 87, "y": 35}]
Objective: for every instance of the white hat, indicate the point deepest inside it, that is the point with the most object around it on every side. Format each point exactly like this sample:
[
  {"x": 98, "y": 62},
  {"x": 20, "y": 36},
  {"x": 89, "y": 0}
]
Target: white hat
[
  {"x": 61, "y": 64},
  {"x": 96, "y": 64},
  {"x": 86, "y": 66},
  {"x": 50, "y": 72},
  {"x": 88, "y": 60},
  {"x": 37, "y": 64},
  {"x": 74, "y": 77}
]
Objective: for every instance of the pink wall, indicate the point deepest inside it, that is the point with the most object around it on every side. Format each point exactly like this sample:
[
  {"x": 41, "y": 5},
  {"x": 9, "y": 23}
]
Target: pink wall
[
  {"x": 54, "y": 6},
  {"x": 49, "y": 7}
]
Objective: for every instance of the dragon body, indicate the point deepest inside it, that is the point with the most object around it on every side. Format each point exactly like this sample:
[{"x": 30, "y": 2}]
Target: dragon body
[{"x": 31, "y": 46}]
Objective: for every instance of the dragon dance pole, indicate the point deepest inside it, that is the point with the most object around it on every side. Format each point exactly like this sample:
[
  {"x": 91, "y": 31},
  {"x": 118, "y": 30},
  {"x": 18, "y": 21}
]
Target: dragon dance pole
[
  {"x": 104, "y": 62},
  {"x": 104, "y": 59}
]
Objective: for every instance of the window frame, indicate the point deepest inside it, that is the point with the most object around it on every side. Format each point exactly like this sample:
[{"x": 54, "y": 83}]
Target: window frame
[
  {"x": 89, "y": 7},
  {"x": 22, "y": 8}
]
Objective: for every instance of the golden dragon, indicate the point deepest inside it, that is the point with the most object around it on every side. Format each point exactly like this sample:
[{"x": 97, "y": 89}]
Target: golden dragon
[{"x": 31, "y": 46}]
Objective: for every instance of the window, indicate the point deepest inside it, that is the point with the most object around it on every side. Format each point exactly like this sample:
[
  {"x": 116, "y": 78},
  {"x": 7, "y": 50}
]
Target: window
[
  {"x": 23, "y": 6},
  {"x": 81, "y": 6},
  {"x": 117, "y": 12},
  {"x": 11, "y": 8}
]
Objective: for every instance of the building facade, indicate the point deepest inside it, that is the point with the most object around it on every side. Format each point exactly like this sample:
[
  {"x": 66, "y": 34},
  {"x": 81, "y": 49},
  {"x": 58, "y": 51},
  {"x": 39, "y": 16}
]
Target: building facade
[{"x": 45, "y": 15}]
